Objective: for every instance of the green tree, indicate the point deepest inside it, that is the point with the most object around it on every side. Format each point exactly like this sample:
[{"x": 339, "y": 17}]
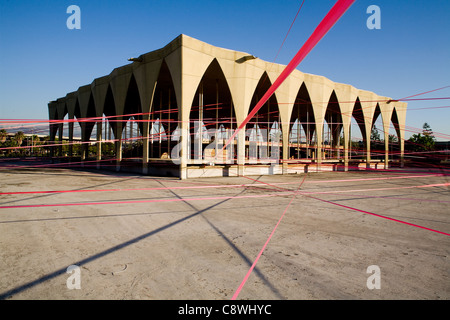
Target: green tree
[
  {"x": 374, "y": 138},
  {"x": 426, "y": 130},
  {"x": 3, "y": 135},
  {"x": 18, "y": 138},
  {"x": 393, "y": 138},
  {"x": 45, "y": 141},
  {"x": 375, "y": 135},
  {"x": 424, "y": 141},
  {"x": 34, "y": 141}
]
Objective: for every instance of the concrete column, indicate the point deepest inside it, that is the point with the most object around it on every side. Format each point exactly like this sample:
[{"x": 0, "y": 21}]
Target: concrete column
[
  {"x": 60, "y": 137},
  {"x": 319, "y": 144},
  {"x": 82, "y": 145},
  {"x": 285, "y": 148},
  {"x": 241, "y": 152},
  {"x": 148, "y": 103},
  {"x": 118, "y": 145},
  {"x": 145, "y": 139},
  {"x": 367, "y": 145},
  {"x": 401, "y": 114},
  {"x": 184, "y": 136},
  {"x": 319, "y": 90},
  {"x": 402, "y": 151},
  {"x": 99, "y": 142},
  {"x": 347, "y": 139},
  {"x": 368, "y": 158},
  {"x": 53, "y": 131},
  {"x": 386, "y": 149},
  {"x": 347, "y": 96},
  {"x": 71, "y": 124},
  {"x": 386, "y": 113}
]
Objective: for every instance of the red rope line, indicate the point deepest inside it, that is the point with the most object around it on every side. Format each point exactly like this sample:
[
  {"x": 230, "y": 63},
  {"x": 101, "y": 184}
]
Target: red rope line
[
  {"x": 285, "y": 37},
  {"x": 275, "y": 185},
  {"x": 325, "y": 25},
  {"x": 379, "y": 215},
  {"x": 236, "y": 294}
]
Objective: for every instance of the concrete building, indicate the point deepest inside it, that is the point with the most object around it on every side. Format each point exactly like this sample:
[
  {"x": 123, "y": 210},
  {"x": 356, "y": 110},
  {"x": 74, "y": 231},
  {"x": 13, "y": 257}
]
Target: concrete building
[{"x": 183, "y": 101}]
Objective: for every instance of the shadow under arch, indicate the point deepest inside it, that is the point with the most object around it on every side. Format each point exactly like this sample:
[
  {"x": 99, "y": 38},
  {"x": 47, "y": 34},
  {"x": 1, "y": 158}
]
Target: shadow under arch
[
  {"x": 90, "y": 120},
  {"x": 164, "y": 116},
  {"x": 376, "y": 143},
  {"x": 356, "y": 149},
  {"x": 132, "y": 145},
  {"x": 87, "y": 126},
  {"x": 62, "y": 113},
  {"x": 77, "y": 126},
  {"x": 333, "y": 118},
  {"x": 264, "y": 131},
  {"x": 212, "y": 117},
  {"x": 301, "y": 126},
  {"x": 61, "y": 125},
  {"x": 395, "y": 140},
  {"x": 110, "y": 123}
]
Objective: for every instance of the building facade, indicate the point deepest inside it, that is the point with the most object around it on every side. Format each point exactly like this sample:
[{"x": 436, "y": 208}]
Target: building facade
[{"x": 179, "y": 105}]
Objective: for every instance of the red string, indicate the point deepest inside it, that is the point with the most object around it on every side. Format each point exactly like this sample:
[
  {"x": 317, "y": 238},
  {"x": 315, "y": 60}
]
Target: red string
[
  {"x": 325, "y": 25},
  {"x": 265, "y": 244},
  {"x": 380, "y": 216}
]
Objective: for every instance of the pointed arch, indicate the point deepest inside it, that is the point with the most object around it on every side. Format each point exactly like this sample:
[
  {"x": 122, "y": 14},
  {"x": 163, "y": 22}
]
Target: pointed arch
[
  {"x": 164, "y": 113},
  {"x": 119, "y": 82},
  {"x": 132, "y": 121},
  {"x": 376, "y": 145},
  {"x": 332, "y": 133},
  {"x": 212, "y": 114},
  {"x": 77, "y": 116},
  {"x": 109, "y": 124},
  {"x": 90, "y": 120},
  {"x": 53, "y": 127},
  {"x": 356, "y": 147},
  {"x": 301, "y": 125},
  {"x": 77, "y": 109},
  {"x": 109, "y": 110},
  {"x": 395, "y": 122},
  {"x": 395, "y": 140},
  {"x": 61, "y": 112},
  {"x": 65, "y": 121},
  {"x": 263, "y": 131},
  {"x": 376, "y": 114}
]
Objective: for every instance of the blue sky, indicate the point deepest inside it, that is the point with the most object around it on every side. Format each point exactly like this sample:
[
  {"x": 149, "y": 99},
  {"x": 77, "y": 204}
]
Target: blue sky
[{"x": 41, "y": 59}]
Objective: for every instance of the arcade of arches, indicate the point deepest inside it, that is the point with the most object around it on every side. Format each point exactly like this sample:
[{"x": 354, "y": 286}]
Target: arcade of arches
[{"x": 170, "y": 111}]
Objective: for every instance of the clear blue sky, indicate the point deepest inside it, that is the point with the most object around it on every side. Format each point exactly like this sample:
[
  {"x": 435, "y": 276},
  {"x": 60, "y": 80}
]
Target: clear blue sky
[{"x": 41, "y": 59}]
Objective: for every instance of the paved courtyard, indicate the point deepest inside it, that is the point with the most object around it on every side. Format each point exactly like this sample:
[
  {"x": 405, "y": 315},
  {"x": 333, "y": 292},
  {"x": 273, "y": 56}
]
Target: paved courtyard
[{"x": 142, "y": 237}]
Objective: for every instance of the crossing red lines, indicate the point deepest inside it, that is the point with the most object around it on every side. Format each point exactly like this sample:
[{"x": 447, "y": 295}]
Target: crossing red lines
[
  {"x": 378, "y": 215},
  {"x": 205, "y": 186}
]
